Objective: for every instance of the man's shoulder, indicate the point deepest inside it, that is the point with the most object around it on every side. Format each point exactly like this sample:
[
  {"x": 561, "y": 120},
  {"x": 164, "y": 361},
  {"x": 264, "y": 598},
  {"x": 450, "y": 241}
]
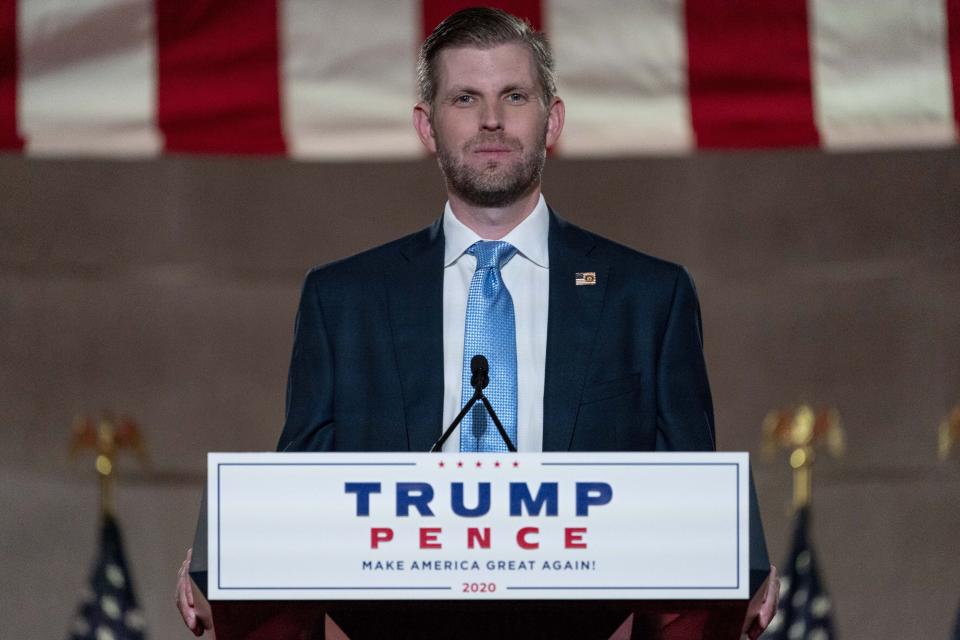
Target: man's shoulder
[
  {"x": 622, "y": 257},
  {"x": 371, "y": 264}
]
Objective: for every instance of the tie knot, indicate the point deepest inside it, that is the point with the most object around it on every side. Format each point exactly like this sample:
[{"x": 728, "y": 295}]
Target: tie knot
[{"x": 491, "y": 253}]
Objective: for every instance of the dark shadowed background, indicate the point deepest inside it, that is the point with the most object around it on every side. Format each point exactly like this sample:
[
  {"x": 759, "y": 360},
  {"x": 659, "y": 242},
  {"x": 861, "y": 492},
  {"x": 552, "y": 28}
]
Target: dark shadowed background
[{"x": 167, "y": 289}]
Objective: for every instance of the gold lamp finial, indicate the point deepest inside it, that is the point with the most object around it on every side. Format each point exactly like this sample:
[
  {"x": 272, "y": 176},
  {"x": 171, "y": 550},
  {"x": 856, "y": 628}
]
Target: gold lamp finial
[
  {"x": 106, "y": 437},
  {"x": 800, "y": 430},
  {"x": 949, "y": 434}
]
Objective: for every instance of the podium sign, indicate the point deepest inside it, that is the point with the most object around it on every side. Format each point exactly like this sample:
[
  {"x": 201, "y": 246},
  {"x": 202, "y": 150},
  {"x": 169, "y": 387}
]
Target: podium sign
[{"x": 417, "y": 526}]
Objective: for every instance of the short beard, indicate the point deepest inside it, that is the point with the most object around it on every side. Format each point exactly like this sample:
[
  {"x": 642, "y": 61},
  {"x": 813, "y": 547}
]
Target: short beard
[{"x": 495, "y": 186}]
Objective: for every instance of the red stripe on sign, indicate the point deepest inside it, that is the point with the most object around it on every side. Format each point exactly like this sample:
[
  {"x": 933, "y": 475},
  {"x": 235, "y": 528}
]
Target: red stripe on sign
[
  {"x": 219, "y": 76},
  {"x": 953, "y": 44},
  {"x": 434, "y": 11},
  {"x": 9, "y": 137},
  {"x": 749, "y": 73}
]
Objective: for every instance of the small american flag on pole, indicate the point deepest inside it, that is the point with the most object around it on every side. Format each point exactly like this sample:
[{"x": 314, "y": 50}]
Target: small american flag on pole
[
  {"x": 805, "y": 609},
  {"x": 108, "y": 609}
]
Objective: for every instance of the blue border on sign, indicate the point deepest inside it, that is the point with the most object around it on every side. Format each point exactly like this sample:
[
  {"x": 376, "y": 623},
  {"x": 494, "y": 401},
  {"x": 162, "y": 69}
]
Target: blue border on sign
[{"x": 736, "y": 465}]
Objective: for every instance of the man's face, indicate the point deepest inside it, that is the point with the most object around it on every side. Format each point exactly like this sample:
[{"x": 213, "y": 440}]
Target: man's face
[{"x": 488, "y": 124}]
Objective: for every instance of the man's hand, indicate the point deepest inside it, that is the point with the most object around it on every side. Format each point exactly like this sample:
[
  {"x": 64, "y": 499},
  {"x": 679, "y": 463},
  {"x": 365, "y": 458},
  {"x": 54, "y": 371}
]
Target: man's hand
[
  {"x": 762, "y": 607},
  {"x": 193, "y": 607}
]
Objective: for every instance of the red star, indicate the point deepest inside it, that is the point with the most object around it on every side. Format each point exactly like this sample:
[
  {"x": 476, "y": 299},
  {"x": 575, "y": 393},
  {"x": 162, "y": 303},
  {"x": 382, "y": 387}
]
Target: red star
[
  {"x": 497, "y": 463},
  {"x": 442, "y": 465},
  {"x": 459, "y": 464},
  {"x": 478, "y": 464},
  {"x": 516, "y": 464}
]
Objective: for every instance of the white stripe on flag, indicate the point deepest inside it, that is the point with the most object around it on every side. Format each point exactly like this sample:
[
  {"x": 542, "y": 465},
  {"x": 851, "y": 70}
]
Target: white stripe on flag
[
  {"x": 88, "y": 77},
  {"x": 622, "y": 74},
  {"x": 348, "y": 78},
  {"x": 881, "y": 76}
]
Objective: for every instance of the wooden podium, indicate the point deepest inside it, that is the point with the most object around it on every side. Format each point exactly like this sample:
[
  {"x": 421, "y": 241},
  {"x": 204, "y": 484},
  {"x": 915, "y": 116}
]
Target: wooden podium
[
  {"x": 369, "y": 616},
  {"x": 655, "y": 619}
]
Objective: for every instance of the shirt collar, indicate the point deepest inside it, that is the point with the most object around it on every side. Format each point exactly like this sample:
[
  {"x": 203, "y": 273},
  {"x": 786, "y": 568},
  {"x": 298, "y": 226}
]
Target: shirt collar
[{"x": 529, "y": 237}]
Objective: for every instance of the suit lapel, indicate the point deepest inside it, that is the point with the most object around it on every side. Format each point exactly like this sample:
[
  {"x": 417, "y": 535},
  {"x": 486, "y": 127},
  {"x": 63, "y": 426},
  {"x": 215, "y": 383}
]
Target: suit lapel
[
  {"x": 415, "y": 294},
  {"x": 415, "y": 300},
  {"x": 572, "y": 325}
]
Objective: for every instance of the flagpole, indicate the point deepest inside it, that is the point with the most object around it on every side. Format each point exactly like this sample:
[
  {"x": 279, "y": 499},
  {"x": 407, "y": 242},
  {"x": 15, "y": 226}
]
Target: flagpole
[
  {"x": 949, "y": 434},
  {"x": 800, "y": 430},
  {"x": 106, "y": 439},
  {"x": 804, "y": 610},
  {"x": 109, "y": 609}
]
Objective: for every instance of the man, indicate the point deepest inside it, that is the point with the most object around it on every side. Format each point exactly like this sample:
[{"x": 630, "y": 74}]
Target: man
[{"x": 595, "y": 346}]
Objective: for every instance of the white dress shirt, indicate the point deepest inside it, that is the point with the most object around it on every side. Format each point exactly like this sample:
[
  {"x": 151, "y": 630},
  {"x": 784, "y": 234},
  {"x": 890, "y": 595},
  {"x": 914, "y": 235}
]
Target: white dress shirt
[{"x": 527, "y": 277}]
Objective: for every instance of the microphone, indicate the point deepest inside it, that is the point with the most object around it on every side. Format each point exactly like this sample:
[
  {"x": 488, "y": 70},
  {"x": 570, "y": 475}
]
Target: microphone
[
  {"x": 479, "y": 379},
  {"x": 480, "y": 370}
]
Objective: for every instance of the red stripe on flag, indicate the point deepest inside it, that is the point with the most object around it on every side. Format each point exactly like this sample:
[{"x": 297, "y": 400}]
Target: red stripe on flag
[
  {"x": 749, "y": 73},
  {"x": 9, "y": 137},
  {"x": 953, "y": 44},
  {"x": 219, "y": 76},
  {"x": 434, "y": 11}
]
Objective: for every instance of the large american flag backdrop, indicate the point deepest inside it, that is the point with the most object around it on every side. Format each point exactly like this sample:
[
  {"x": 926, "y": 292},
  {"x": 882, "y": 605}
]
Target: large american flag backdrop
[{"x": 331, "y": 79}]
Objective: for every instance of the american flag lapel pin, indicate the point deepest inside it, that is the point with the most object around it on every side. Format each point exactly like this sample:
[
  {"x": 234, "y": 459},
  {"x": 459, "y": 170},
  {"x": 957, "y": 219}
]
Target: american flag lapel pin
[{"x": 585, "y": 278}]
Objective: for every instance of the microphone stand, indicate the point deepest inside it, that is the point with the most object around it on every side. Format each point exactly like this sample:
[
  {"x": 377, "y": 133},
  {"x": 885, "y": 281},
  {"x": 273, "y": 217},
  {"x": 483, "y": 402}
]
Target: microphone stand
[
  {"x": 496, "y": 421},
  {"x": 479, "y": 380}
]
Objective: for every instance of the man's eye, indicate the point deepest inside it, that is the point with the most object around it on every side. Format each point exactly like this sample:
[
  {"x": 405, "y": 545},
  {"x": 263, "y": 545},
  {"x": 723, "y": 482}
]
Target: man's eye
[
  {"x": 463, "y": 99},
  {"x": 516, "y": 98}
]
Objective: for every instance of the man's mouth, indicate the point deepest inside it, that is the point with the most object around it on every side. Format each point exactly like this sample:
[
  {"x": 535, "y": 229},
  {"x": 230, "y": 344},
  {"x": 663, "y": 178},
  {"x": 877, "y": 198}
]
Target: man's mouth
[{"x": 492, "y": 149}]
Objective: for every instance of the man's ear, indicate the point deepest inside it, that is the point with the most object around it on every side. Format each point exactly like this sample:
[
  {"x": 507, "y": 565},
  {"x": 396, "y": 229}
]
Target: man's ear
[
  {"x": 421, "y": 122},
  {"x": 555, "y": 115}
]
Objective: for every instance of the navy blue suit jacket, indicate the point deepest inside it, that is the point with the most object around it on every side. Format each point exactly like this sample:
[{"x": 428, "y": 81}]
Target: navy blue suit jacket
[{"x": 624, "y": 362}]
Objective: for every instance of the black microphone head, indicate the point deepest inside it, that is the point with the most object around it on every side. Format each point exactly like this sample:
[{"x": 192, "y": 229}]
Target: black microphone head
[
  {"x": 479, "y": 364},
  {"x": 480, "y": 370}
]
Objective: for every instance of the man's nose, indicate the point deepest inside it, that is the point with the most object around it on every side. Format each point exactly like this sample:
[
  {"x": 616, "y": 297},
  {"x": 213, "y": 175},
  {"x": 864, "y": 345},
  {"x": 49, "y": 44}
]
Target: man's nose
[{"x": 491, "y": 117}]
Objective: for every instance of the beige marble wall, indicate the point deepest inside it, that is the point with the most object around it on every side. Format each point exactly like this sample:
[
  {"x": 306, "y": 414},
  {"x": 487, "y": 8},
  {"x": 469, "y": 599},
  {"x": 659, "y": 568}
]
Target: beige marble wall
[{"x": 167, "y": 289}]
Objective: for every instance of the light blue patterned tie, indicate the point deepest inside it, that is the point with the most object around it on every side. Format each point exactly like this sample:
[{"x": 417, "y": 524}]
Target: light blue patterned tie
[{"x": 490, "y": 331}]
